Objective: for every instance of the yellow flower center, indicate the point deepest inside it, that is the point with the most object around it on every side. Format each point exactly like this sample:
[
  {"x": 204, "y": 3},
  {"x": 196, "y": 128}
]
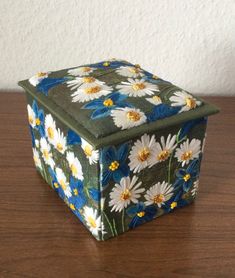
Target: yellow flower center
[
  {"x": 114, "y": 166},
  {"x": 37, "y": 121},
  {"x": 41, "y": 74},
  {"x": 88, "y": 79},
  {"x": 75, "y": 192},
  {"x": 141, "y": 214},
  {"x": 126, "y": 194},
  {"x": 106, "y": 64},
  {"x": 143, "y": 154},
  {"x": 173, "y": 205},
  {"x": 108, "y": 102},
  {"x": 186, "y": 155},
  {"x": 88, "y": 150},
  {"x": 30, "y": 120},
  {"x": 63, "y": 184},
  {"x": 56, "y": 185},
  {"x": 190, "y": 102},
  {"x": 92, "y": 222},
  {"x": 50, "y": 132},
  {"x": 86, "y": 69},
  {"x": 157, "y": 98},
  {"x": 163, "y": 155},
  {"x": 138, "y": 86},
  {"x": 159, "y": 198},
  {"x": 133, "y": 116},
  {"x": 186, "y": 177},
  {"x": 46, "y": 154},
  {"x": 134, "y": 70},
  {"x": 59, "y": 147},
  {"x": 93, "y": 90},
  {"x": 72, "y": 206},
  {"x": 155, "y": 76},
  {"x": 74, "y": 169}
]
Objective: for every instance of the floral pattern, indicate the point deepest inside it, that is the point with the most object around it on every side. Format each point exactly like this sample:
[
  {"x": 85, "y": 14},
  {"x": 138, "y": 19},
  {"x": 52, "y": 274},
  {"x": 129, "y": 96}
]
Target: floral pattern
[
  {"x": 113, "y": 99},
  {"x": 184, "y": 100},
  {"x": 137, "y": 88},
  {"x": 126, "y": 118},
  {"x": 124, "y": 193},
  {"x": 118, "y": 187},
  {"x": 142, "y": 153},
  {"x": 103, "y": 107},
  {"x": 141, "y": 214},
  {"x": 113, "y": 164}
]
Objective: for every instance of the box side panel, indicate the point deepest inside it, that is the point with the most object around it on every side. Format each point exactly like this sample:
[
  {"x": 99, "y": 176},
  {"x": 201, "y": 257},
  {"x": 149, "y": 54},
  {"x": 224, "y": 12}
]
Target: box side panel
[
  {"x": 68, "y": 163},
  {"x": 150, "y": 175}
]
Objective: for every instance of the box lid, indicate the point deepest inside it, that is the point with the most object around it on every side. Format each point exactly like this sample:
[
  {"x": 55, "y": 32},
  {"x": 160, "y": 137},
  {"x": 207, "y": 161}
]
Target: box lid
[{"x": 114, "y": 100}]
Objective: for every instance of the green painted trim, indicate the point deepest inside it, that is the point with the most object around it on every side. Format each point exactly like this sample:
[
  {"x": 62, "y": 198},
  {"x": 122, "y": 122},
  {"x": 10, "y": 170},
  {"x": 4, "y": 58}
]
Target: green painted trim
[{"x": 123, "y": 135}]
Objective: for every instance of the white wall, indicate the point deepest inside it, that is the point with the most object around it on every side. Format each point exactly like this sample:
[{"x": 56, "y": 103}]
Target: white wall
[{"x": 189, "y": 42}]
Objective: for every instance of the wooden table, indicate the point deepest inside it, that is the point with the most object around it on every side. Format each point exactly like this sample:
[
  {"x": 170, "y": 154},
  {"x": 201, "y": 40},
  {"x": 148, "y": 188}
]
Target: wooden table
[{"x": 40, "y": 237}]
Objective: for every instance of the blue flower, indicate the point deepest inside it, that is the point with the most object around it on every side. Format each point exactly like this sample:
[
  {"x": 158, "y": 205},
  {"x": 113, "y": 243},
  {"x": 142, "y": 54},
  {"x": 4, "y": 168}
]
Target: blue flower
[
  {"x": 95, "y": 194},
  {"x": 39, "y": 118},
  {"x": 78, "y": 214},
  {"x": 162, "y": 111},
  {"x": 32, "y": 136},
  {"x": 78, "y": 198},
  {"x": 189, "y": 125},
  {"x": 177, "y": 201},
  {"x": 73, "y": 138},
  {"x": 102, "y": 107},
  {"x": 185, "y": 177},
  {"x": 47, "y": 83},
  {"x": 114, "y": 163},
  {"x": 55, "y": 183},
  {"x": 141, "y": 214},
  {"x": 153, "y": 78}
]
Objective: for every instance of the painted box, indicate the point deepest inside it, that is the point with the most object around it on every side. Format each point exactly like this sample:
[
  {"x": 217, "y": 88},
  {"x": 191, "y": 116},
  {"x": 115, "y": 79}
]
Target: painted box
[{"x": 119, "y": 145}]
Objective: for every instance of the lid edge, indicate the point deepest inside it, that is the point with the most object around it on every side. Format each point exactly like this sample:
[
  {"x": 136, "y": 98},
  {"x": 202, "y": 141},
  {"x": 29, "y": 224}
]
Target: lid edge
[{"x": 123, "y": 135}]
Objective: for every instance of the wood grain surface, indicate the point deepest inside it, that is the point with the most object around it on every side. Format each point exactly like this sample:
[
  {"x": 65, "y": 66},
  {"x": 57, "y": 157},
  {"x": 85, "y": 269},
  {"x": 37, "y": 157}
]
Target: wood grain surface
[{"x": 40, "y": 237}]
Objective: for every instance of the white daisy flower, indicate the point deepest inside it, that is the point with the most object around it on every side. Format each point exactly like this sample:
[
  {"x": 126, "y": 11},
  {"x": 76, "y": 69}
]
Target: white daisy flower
[
  {"x": 124, "y": 193},
  {"x": 91, "y": 154},
  {"x": 90, "y": 91},
  {"x": 81, "y": 71},
  {"x": 93, "y": 220},
  {"x": 75, "y": 166},
  {"x": 163, "y": 151},
  {"x": 137, "y": 88},
  {"x": 50, "y": 128},
  {"x": 130, "y": 71},
  {"x": 62, "y": 180},
  {"x": 46, "y": 152},
  {"x": 126, "y": 118},
  {"x": 82, "y": 81},
  {"x": 155, "y": 100},
  {"x": 31, "y": 116},
  {"x": 187, "y": 101},
  {"x": 188, "y": 151},
  {"x": 141, "y": 153},
  {"x": 195, "y": 188},
  {"x": 37, "y": 159},
  {"x": 37, "y": 144},
  {"x": 59, "y": 141},
  {"x": 37, "y": 78},
  {"x": 204, "y": 144},
  {"x": 159, "y": 194}
]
